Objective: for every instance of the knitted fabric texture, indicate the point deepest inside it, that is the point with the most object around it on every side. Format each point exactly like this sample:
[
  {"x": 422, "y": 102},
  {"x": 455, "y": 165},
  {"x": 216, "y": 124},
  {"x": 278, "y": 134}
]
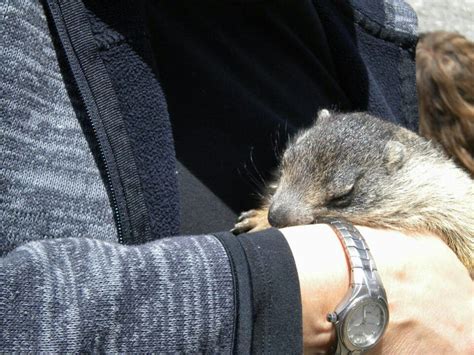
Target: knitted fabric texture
[
  {"x": 51, "y": 186},
  {"x": 84, "y": 295}
]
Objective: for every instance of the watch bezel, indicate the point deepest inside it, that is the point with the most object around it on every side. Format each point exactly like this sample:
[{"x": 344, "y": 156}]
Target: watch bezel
[{"x": 352, "y": 306}]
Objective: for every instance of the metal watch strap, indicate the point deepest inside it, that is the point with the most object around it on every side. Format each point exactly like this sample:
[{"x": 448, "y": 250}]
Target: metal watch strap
[
  {"x": 364, "y": 276},
  {"x": 364, "y": 270}
]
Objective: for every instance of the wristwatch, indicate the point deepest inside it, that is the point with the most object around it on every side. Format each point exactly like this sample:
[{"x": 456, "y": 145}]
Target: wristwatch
[{"x": 362, "y": 316}]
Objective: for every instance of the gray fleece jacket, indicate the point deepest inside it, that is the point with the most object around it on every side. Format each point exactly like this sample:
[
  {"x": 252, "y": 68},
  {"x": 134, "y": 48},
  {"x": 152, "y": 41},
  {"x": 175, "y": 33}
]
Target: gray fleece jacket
[{"x": 84, "y": 266}]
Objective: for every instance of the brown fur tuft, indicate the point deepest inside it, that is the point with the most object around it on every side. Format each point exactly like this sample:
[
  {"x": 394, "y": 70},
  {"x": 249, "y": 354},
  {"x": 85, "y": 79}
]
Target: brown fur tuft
[{"x": 445, "y": 81}]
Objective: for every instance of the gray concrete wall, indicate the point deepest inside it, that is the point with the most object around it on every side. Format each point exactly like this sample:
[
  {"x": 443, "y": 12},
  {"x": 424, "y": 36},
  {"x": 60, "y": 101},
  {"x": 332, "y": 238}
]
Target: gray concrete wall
[{"x": 448, "y": 15}]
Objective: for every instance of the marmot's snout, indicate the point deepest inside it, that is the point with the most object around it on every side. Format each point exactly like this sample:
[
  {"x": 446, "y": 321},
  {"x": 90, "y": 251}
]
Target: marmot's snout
[{"x": 289, "y": 214}]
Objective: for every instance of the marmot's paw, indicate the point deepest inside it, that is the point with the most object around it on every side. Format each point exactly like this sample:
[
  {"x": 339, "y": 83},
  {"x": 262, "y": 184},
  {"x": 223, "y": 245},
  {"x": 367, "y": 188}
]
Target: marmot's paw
[{"x": 252, "y": 221}]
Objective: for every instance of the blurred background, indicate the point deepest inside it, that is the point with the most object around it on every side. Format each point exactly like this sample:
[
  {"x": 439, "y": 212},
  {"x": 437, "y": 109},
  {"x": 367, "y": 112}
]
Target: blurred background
[
  {"x": 445, "y": 76},
  {"x": 448, "y": 15}
]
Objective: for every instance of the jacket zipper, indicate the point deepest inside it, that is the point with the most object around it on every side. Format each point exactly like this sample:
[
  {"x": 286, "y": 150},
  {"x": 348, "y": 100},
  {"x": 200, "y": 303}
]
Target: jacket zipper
[
  {"x": 113, "y": 198},
  {"x": 70, "y": 21}
]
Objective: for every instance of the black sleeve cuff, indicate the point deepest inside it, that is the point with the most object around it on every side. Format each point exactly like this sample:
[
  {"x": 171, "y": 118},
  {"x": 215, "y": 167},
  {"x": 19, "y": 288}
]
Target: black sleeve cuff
[{"x": 268, "y": 302}]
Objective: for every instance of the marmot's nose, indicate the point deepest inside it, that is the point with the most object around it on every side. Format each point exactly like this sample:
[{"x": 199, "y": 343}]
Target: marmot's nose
[
  {"x": 278, "y": 216},
  {"x": 283, "y": 216}
]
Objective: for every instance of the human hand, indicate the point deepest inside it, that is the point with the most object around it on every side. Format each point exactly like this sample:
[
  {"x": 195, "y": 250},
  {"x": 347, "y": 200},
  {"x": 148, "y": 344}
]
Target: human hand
[{"x": 429, "y": 291}]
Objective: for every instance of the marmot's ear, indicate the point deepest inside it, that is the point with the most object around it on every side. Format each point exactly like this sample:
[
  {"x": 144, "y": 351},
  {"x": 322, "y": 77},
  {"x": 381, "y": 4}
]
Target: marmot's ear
[
  {"x": 394, "y": 155},
  {"x": 323, "y": 113}
]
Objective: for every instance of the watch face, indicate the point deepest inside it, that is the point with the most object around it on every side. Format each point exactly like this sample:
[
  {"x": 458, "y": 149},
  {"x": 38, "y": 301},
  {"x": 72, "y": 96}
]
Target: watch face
[{"x": 364, "y": 324}]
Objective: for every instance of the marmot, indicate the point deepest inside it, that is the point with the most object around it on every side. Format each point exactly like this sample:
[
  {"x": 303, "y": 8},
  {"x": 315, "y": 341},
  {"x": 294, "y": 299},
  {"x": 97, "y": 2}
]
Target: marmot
[{"x": 372, "y": 173}]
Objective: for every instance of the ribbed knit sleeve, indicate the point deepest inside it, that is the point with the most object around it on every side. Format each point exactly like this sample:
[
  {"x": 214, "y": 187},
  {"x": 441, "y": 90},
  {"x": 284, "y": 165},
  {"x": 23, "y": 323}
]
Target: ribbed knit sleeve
[
  {"x": 85, "y": 295},
  {"x": 273, "y": 323}
]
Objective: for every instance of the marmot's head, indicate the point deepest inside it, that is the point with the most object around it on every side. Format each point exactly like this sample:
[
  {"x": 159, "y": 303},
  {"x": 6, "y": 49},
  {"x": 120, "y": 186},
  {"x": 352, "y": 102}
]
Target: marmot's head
[{"x": 340, "y": 167}]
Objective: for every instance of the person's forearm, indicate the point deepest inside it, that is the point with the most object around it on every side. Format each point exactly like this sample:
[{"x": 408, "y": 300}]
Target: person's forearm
[
  {"x": 77, "y": 294},
  {"x": 184, "y": 294}
]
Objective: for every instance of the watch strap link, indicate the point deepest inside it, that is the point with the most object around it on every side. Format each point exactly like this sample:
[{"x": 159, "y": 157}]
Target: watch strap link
[{"x": 364, "y": 270}]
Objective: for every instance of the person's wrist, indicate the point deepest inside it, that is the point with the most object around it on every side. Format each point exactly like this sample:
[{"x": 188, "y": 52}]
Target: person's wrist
[
  {"x": 423, "y": 279},
  {"x": 324, "y": 274}
]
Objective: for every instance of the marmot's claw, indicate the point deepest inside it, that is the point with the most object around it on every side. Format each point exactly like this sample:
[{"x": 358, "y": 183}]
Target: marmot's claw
[
  {"x": 247, "y": 214},
  {"x": 251, "y": 221},
  {"x": 242, "y": 227}
]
